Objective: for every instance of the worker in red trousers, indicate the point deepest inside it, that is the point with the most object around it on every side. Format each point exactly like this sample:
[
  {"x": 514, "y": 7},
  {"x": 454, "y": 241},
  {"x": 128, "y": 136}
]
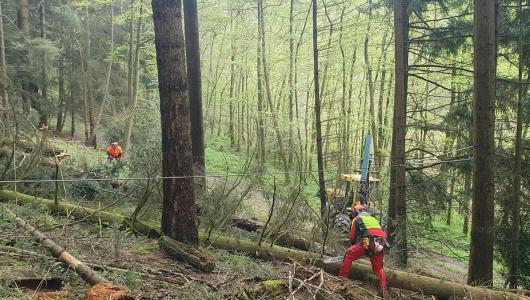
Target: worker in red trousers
[{"x": 366, "y": 238}]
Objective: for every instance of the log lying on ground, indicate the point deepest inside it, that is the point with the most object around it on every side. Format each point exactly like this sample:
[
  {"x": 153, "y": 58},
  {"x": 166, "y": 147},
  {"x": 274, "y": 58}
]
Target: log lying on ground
[
  {"x": 361, "y": 270},
  {"x": 183, "y": 252},
  {"x": 58, "y": 252},
  {"x": 287, "y": 239},
  {"x": 75, "y": 211},
  {"x": 266, "y": 252},
  {"x": 30, "y": 146},
  {"x": 178, "y": 250},
  {"x": 442, "y": 289}
]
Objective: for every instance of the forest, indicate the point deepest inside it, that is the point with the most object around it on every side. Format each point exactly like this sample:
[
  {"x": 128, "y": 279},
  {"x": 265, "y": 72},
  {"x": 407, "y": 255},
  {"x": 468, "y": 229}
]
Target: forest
[{"x": 237, "y": 149}]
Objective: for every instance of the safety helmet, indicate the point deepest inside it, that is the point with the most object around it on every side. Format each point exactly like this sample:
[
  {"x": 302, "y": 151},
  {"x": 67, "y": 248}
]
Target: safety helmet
[
  {"x": 357, "y": 209},
  {"x": 114, "y": 143}
]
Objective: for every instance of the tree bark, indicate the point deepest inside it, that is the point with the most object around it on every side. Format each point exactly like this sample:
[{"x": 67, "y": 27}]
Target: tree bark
[
  {"x": 193, "y": 61},
  {"x": 108, "y": 73},
  {"x": 261, "y": 130},
  {"x": 3, "y": 74},
  {"x": 318, "y": 129},
  {"x": 480, "y": 270},
  {"x": 516, "y": 204},
  {"x": 179, "y": 215},
  {"x": 397, "y": 210},
  {"x": 62, "y": 94},
  {"x": 23, "y": 17},
  {"x": 467, "y": 208},
  {"x": 23, "y": 26},
  {"x": 188, "y": 254},
  {"x": 135, "y": 82},
  {"x": 91, "y": 141},
  {"x": 290, "y": 82},
  {"x": 43, "y": 105},
  {"x": 232, "y": 82}
]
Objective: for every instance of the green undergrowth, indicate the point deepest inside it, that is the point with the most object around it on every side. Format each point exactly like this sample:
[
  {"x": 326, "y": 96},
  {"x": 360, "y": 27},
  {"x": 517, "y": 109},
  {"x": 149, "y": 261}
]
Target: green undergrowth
[{"x": 450, "y": 242}]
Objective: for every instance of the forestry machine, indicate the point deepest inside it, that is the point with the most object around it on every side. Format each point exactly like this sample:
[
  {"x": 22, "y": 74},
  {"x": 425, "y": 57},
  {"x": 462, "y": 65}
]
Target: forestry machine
[{"x": 353, "y": 189}]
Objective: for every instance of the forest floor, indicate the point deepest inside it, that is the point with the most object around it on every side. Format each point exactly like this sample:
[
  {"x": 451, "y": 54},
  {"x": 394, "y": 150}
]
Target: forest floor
[{"x": 137, "y": 263}]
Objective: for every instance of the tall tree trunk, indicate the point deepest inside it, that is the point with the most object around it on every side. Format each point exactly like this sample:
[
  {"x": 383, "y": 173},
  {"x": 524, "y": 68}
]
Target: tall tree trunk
[
  {"x": 3, "y": 75},
  {"x": 71, "y": 104},
  {"x": 466, "y": 200},
  {"x": 480, "y": 270},
  {"x": 130, "y": 62},
  {"x": 450, "y": 201},
  {"x": 318, "y": 129},
  {"x": 290, "y": 82},
  {"x": 516, "y": 204},
  {"x": 269, "y": 94},
  {"x": 23, "y": 26},
  {"x": 397, "y": 209},
  {"x": 23, "y": 17},
  {"x": 193, "y": 61},
  {"x": 108, "y": 73},
  {"x": 232, "y": 82},
  {"x": 91, "y": 141},
  {"x": 179, "y": 214},
  {"x": 261, "y": 130},
  {"x": 43, "y": 103},
  {"x": 302, "y": 158},
  {"x": 448, "y": 146},
  {"x": 62, "y": 96},
  {"x": 135, "y": 81}
]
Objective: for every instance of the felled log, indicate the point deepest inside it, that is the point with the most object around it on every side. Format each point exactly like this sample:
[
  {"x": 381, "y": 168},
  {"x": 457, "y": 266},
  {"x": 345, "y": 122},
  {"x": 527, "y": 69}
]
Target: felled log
[
  {"x": 59, "y": 252},
  {"x": 187, "y": 254},
  {"x": 360, "y": 270},
  {"x": 287, "y": 239},
  {"x": 30, "y": 147},
  {"x": 175, "y": 248},
  {"x": 75, "y": 211},
  {"x": 440, "y": 288},
  {"x": 264, "y": 251}
]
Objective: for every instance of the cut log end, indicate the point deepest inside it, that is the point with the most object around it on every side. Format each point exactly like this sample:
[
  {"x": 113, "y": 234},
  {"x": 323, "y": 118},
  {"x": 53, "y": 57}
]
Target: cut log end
[
  {"x": 187, "y": 254},
  {"x": 104, "y": 291}
]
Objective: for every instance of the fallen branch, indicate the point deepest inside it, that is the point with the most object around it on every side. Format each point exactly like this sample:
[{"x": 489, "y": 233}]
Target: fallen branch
[{"x": 62, "y": 255}]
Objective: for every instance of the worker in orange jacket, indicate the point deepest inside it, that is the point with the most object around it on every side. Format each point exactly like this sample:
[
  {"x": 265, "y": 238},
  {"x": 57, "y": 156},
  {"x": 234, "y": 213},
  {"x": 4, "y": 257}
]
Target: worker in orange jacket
[
  {"x": 114, "y": 151},
  {"x": 372, "y": 240}
]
